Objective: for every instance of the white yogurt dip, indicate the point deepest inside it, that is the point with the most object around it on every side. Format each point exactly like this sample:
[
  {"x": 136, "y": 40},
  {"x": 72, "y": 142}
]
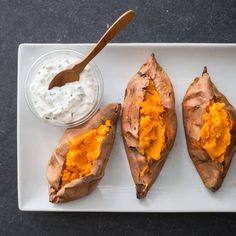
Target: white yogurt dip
[{"x": 67, "y": 103}]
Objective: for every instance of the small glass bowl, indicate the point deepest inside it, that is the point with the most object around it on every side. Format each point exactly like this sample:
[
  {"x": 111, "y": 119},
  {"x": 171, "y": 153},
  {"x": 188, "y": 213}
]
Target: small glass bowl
[{"x": 97, "y": 77}]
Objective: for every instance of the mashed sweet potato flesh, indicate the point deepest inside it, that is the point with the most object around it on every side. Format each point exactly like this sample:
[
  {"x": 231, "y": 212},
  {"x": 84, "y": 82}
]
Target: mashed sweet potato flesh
[
  {"x": 151, "y": 125},
  {"x": 83, "y": 151},
  {"x": 215, "y": 133}
]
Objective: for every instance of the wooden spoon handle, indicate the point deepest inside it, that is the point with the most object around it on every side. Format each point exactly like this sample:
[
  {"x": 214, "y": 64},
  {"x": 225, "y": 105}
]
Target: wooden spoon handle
[{"x": 116, "y": 27}]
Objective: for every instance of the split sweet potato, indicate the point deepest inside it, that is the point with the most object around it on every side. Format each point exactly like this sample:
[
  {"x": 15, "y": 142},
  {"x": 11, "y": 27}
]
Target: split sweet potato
[
  {"x": 210, "y": 129},
  {"x": 79, "y": 160},
  {"x": 149, "y": 123}
]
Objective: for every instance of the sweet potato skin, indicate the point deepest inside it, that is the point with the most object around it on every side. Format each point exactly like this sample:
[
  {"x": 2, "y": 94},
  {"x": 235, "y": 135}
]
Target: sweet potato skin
[
  {"x": 195, "y": 102},
  {"x": 83, "y": 186},
  {"x": 134, "y": 95}
]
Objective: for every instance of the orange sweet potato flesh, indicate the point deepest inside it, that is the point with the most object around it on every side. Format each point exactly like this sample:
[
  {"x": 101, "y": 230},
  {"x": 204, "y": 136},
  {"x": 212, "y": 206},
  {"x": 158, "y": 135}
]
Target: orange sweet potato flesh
[
  {"x": 83, "y": 152},
  {"x": 210, "y": 129},
  {"x": 78, "y": 162},
  {"x": 149, "y": 123}
]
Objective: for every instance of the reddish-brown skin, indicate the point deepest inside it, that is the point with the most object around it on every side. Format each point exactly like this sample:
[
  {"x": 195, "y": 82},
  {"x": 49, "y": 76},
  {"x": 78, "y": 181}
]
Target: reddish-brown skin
[
  {"x": 134, "y": 95},
  {"x": 195, "y": 102},
  {"x": 83, "y": 186}
]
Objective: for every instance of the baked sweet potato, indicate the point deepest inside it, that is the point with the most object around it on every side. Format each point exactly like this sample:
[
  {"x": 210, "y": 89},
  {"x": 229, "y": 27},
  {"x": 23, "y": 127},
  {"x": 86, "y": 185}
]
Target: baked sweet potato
[
  {"x": 149, "y": 123},
  {"x": 79, "y": 160},
  {"x": 210, "y": 129}
]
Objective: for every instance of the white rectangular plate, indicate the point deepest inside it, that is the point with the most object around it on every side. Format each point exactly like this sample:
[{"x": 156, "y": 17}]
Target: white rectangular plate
[{"x": 178, "y": 188}]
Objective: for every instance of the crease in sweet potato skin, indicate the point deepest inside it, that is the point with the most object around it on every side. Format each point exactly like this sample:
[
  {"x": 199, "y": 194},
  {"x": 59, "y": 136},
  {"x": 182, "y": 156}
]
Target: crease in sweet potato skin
[
  {"x": 151, "y": 125},
  {"x": 215, "y": 133},
  {"x": 83, "y": 151}
]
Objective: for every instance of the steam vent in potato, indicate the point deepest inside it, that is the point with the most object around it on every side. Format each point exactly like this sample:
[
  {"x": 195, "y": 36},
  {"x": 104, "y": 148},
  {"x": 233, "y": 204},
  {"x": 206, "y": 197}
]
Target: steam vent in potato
[
  {"x": 148, "y": 123},
  {"x": 210, "y": 129},
  {"x": 79, "y": 160}
]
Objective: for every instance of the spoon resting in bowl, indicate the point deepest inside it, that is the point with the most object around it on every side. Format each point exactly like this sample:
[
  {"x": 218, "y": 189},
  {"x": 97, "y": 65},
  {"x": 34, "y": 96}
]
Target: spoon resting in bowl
[{"x": 71, "y": 75}]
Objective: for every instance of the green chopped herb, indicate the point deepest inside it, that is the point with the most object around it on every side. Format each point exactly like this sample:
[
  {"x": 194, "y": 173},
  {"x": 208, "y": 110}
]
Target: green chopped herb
[{"x": 103, "y": 118}]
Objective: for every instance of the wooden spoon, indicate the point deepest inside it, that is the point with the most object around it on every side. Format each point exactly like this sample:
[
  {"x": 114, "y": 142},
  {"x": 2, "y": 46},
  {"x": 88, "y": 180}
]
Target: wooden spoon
[{"x": 72, "y": 75}]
